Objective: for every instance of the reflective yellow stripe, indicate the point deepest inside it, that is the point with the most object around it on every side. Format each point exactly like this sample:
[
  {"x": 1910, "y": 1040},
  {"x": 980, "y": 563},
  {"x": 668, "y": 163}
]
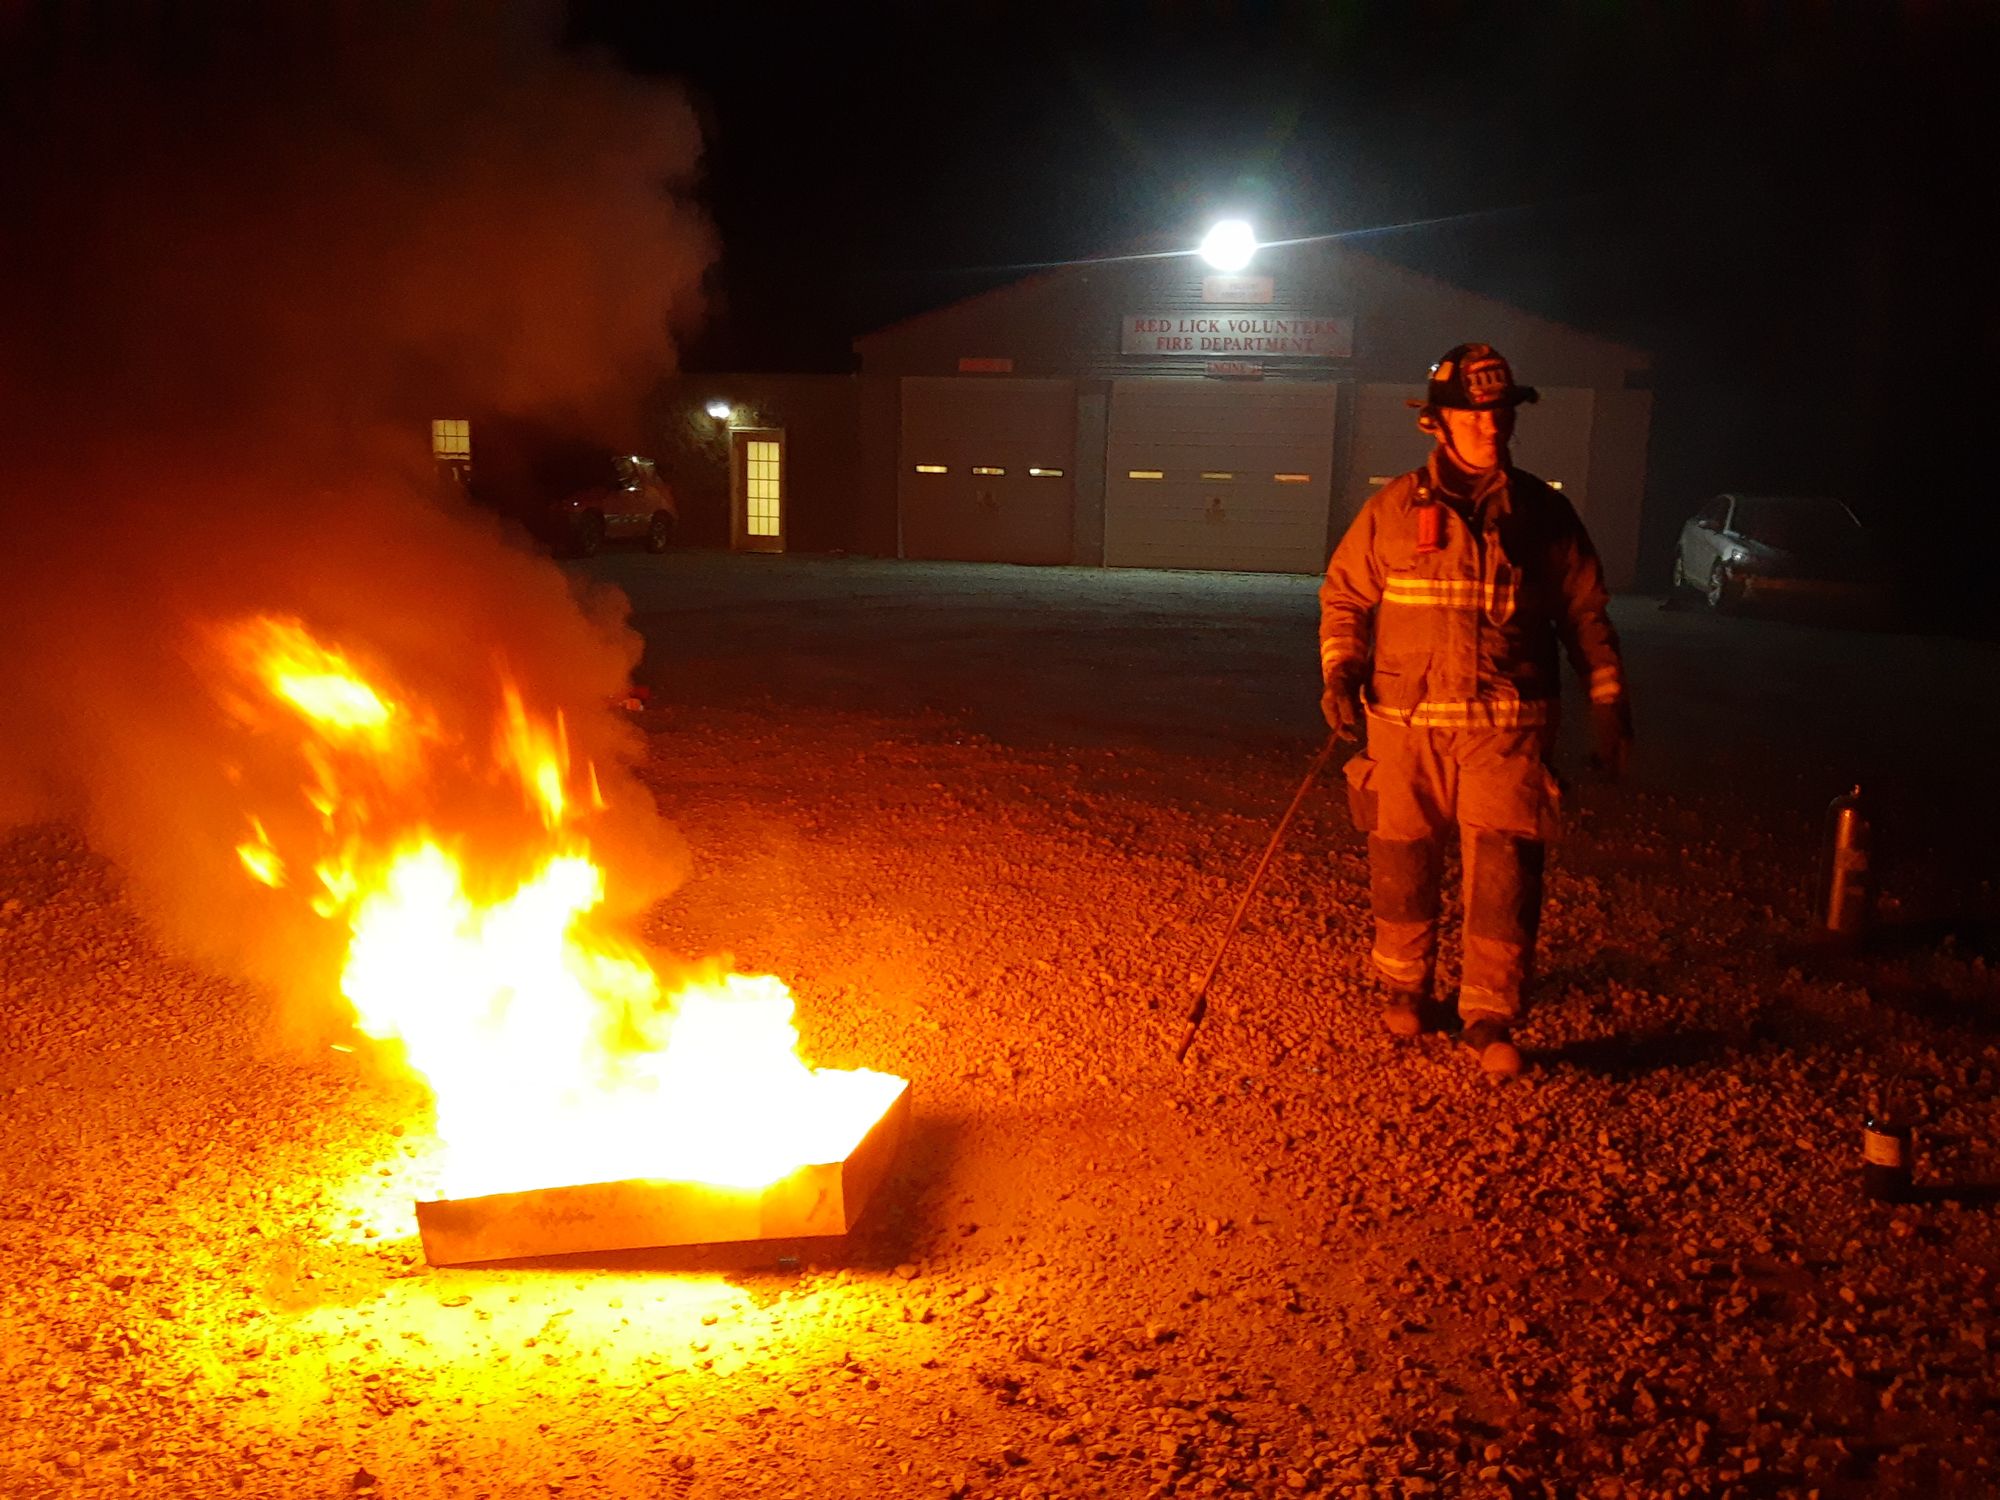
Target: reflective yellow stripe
[
  {"x": 1337, "y": 648},
  {"x": 1467, "y": 591},
  {"x": 1484, "y": 713},
  {"x": 1607, "y": 685},
  {"x": 1477, "y": 1000},
  {"x": 1400, "y": 970},
  {"x": 1448, "y": 593}
]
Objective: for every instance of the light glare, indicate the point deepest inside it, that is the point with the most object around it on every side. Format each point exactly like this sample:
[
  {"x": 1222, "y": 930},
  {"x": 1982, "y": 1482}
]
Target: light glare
[{"x": 1229, "y": 245}]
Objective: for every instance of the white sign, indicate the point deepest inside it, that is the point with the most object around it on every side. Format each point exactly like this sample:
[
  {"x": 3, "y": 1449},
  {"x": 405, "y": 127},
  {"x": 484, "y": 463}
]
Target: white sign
[
  {"x": 1238, "y": 288},
  {"x": 1219, "y": 335}
]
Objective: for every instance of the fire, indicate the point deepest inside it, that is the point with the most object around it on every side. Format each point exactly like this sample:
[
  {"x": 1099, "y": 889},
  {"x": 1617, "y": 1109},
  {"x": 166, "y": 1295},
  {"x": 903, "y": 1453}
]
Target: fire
[
  {"x": 259, "y": 858},
  {"x": 554, "y": 1053},
  {"x": 317, "y": 682}
]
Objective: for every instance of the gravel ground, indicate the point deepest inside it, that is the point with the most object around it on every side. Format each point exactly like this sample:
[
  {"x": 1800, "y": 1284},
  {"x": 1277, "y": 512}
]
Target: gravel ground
[{"x": 987, "y": 822}]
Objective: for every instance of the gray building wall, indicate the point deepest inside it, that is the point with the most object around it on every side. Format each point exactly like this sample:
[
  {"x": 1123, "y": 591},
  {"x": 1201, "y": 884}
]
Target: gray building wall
[
  {"x": 821, "y": 416},
  {"x": 1093, "y": 416},
  {"x": 876, "y": 529},
  {"x": 1614, "y": 511}
]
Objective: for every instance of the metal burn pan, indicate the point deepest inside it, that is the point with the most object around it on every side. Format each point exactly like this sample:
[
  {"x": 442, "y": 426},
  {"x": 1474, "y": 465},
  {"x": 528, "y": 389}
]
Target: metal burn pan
[{"x": 825, "y": 1199}]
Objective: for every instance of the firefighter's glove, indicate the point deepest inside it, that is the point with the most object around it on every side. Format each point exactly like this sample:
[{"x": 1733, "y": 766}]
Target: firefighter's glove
[
  {"x": 1340, "y": 704},
  {"x": 1611, "y": 736}
]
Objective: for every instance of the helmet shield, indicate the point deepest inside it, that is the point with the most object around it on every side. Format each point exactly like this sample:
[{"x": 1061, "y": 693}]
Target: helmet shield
[{"x": 1475, "y": 377}]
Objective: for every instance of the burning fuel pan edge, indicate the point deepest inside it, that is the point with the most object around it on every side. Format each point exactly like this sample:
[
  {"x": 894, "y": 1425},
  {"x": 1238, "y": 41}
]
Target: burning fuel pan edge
[{"x": 820, "y": 1200}]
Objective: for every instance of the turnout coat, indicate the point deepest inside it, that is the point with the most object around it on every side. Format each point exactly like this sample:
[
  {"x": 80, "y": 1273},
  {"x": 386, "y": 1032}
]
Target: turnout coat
[{"x": 1451, "y": 624}]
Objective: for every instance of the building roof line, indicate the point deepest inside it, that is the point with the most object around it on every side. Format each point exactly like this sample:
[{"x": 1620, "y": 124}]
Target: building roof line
[
  {"x": 1639, "y": 358},
  {"x": 1051, "y": 272}
]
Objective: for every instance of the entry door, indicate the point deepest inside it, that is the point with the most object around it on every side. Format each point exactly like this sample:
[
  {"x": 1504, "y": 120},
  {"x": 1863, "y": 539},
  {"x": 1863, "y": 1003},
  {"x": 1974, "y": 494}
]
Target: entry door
[
  {"x": 757, "y": 489},
  {"x": 988, "y": 469},
  {"x": 1211, "y": 475}
]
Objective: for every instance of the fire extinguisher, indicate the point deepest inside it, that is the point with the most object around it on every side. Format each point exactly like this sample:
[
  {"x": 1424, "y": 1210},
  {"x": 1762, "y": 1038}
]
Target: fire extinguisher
[
  {"x": 1886, "y": 1149},
  {"x": 1847, "y": 895},
  {"x": 1888, "y": 1144}
]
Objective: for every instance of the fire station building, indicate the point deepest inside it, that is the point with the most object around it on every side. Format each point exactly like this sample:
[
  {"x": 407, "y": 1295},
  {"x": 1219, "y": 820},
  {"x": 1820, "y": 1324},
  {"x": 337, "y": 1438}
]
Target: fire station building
[{"x": 1148, "y": 412}]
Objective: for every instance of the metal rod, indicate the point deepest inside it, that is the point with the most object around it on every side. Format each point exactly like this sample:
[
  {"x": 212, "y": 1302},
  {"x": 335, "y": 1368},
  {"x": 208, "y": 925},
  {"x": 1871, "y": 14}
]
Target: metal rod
[{"x": 1200, "y": 1011}]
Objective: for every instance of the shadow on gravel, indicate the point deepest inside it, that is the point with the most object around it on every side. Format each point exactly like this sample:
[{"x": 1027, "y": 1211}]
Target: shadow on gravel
[
  {"x": 1958, "y": 1194},
  {"x": 1935, "y": 1003},
  {"x": 1610, "y": 966},
  {"x": 1929, "y": 969},
  {"x": 1963, "y": 936},
  {"x": 1629, "y": 1056}
]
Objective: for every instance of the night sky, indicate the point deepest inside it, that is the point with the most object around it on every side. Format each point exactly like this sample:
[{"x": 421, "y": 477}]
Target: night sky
[
  {"x": 1775, "y": 200},
  {"x": 1779, "y": 201}
]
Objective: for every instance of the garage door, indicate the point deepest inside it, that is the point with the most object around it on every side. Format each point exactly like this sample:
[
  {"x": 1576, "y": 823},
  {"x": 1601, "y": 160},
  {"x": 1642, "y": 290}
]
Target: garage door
[
  {"x": 1552, "y": 439},
  {"x": 988, "y": 470},
  {"x": 1385, "y": 443},
  {"x": 1201, "y": 474}
]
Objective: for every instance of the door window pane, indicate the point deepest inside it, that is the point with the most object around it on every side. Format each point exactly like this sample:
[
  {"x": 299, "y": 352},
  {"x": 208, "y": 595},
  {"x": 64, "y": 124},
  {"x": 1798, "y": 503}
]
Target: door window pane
[{"x": 761, "y": 486}]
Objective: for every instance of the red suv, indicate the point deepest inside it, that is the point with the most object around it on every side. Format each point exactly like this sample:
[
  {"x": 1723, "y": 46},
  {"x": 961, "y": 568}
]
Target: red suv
[
  {"x": 614, "y": 496},
  {"x": 573, "y": 493}
]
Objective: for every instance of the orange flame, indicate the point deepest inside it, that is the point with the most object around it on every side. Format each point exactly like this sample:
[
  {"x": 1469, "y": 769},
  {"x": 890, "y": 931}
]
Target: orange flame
[
  {"x": 259, "y": 858},
  {"x": 551, "y": 1049},
  {"x": 319, "y": 683},
  {"x": 539, "y": 756}
]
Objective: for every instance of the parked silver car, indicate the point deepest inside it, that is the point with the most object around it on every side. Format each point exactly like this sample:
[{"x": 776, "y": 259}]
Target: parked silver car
[{"x": 1745, "y": 549}]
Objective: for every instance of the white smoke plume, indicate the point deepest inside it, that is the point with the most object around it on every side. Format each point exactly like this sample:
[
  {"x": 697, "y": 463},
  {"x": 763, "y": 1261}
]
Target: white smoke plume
[{"x": 248, "y": 252}]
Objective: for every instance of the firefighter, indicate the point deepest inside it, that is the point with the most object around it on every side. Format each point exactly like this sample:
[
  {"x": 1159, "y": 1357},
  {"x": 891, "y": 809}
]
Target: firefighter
[{"x": 1440, "y": 617}]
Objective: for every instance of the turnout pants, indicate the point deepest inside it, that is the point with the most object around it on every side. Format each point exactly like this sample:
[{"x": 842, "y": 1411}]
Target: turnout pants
[{"x": 1407, "y": 791}]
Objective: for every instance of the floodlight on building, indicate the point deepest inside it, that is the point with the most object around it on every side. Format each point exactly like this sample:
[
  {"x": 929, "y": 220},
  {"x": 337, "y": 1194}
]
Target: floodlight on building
[
  {"x": 722, "y": 411},
  {"x": 1229, "y": 245}
]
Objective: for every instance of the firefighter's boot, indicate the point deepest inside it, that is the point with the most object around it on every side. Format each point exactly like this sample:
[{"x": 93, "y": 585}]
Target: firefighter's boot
[
  {"x": 1403, "y": 1010},
  {"x": 1487, "y": 1037}
]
